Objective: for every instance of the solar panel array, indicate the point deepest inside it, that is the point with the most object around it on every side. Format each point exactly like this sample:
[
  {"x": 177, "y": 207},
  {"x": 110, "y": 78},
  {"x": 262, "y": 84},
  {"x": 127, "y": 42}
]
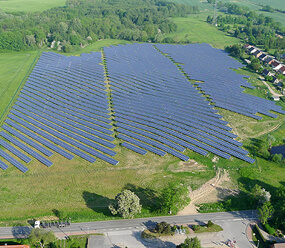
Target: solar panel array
[
  {"x": 204, "y": 63},
  {"x": 156, "y": 109},
  {"x": 66, "y": 106},
  {"x": 62, "y": 108}
]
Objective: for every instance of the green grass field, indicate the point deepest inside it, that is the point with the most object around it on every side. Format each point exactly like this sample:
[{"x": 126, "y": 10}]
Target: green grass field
[
  {"x": 29, "y": 5},
  {"x": 195, "y": 29},
  {"x": 13, "y": 68}
]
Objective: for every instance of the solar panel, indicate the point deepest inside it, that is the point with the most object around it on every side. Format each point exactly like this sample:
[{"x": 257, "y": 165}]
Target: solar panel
[{"x": 134, "y": 148}]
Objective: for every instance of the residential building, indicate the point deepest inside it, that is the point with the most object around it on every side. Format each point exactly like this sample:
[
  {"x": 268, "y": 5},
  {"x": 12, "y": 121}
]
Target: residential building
[
  {"x": 282, "y": 70},
  {"x": 262, "y": 56},
  {"x": 257, "y": 53},
  {"x": 268, "y": 60},
  {"x": 267, "y": 73}
]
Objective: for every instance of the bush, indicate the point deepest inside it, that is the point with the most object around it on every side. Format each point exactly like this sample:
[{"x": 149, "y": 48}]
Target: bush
[
  {"x": 210, "y": 223},
  {"x": 163, "y": 228},
  {"x": 196, "y": 228}
]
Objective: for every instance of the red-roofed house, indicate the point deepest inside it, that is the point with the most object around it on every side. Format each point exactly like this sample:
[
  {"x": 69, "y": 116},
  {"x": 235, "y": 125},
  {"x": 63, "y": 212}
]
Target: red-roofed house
[
  {"x": 14, "y": 246},
  {"x": 282, "y": 70},
  {"x": 275, "y": 64}
]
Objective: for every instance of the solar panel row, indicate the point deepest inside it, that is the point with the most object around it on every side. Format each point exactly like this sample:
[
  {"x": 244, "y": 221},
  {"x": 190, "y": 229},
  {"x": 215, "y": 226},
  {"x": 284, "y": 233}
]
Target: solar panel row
[{"x": 26, "y": 149}]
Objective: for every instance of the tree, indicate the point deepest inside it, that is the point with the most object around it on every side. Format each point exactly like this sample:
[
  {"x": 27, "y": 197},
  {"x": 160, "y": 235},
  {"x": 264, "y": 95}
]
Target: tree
[
  {"x": 260, "y": 195},
  {"x": 277, "y": 158},
  {"x": 190, "y": 243},
  {"x": 41, "y": 238},
  {"x": 174, "y": 198},
  {"x": 265, "y": 212},
  {"x": 127, "y": 204}
]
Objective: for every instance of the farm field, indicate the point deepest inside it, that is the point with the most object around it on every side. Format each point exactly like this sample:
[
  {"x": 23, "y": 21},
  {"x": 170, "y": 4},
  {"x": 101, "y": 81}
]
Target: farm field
[{"x": 29, "y": 5}]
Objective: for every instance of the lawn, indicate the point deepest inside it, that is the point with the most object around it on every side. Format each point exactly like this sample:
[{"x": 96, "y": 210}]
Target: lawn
[
  {"x": 197, "y": 30},
  {"x": 14, "y": 67},
  {"x": 95, "y": 47},
  {"x": 29, "y": 5},
  {"x": 84, "y": 190}
]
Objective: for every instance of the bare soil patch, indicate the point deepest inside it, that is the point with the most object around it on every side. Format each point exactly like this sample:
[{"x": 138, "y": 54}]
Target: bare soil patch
[{"x": 214, "y": 190}]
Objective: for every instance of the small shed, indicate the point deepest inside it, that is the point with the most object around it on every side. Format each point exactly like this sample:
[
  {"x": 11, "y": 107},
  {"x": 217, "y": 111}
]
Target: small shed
[{"x": 276, "y": 98}]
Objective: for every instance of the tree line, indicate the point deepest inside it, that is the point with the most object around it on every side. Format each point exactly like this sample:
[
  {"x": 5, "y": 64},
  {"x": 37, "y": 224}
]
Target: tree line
[
  {"x": 81, "y": 22},
  {"x": 254, "y": 28}
]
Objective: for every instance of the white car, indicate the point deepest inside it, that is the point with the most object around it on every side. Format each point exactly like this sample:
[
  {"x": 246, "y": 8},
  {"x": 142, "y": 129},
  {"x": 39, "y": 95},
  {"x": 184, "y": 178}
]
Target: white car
[{"x": 37, "y": 224}]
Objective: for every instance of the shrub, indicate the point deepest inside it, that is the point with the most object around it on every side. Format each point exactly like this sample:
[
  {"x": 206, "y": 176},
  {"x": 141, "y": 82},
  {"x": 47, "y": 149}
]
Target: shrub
[
  {"x": 210, "y": 223},
  {"x": 196, "y": 228},
  {"x": 163, "y": 228}
]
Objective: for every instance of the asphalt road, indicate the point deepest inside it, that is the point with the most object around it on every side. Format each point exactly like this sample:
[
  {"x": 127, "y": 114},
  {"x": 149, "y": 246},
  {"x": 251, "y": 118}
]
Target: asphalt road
[{"x": 115, "y": 225}]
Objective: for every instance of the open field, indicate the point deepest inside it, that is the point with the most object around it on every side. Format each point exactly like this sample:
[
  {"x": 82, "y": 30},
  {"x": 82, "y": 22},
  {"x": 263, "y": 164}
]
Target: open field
[
  {"x": 84, "y": 189},
  {"x": 95, "y": 47},
  {"x": 13, "y": 69},
  {"x": 29, "y": 5},
  {"x": 195, "y": 29}
]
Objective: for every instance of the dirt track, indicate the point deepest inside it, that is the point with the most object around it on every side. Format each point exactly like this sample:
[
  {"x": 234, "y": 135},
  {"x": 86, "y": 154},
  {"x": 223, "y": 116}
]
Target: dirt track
[{"x": 211, "y": 191}]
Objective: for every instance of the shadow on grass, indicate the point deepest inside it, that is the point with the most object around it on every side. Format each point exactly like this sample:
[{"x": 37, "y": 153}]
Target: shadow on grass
[
  {"x": 148, "y": 197},
  {"x": 97, "y": 203}
]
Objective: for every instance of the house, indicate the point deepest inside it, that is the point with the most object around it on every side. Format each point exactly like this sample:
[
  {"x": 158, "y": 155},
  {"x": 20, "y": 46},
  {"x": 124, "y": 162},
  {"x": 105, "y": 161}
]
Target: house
[
  {"x": 268, "y": 60},
  {"x": 251, "y": 50},
  {"x": 278, "y": 67},
  {"x": 275, "y": 80},
  {"x": 276, "y": 98},
  {"x": 257, "y": 53},
  {"x": 275, "y": 63},
  {"x": 282, "y": 70},
  {"x": 266, "y": 73},
  {"x": 247, "y": 61},
  {"x": 262, "y": 56},
  {"x": 14, "y": 246},
  {"x": 278, "y": 245},
  {"x": 247, "y": 46}
]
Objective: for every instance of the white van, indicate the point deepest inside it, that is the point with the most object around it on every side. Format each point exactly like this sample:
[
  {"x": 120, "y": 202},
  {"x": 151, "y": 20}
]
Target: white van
[{"x": 37, "y": 224}]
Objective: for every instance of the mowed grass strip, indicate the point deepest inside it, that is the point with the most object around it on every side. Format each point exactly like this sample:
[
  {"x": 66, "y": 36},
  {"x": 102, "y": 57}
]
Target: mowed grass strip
[{"x": 29, "y": 5}]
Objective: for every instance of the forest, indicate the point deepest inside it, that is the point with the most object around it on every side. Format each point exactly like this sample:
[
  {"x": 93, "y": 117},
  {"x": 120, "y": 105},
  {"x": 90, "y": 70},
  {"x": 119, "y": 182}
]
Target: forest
[
  {"x": 253, "y": 28},
  {"x": 85, "y": 21}
]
